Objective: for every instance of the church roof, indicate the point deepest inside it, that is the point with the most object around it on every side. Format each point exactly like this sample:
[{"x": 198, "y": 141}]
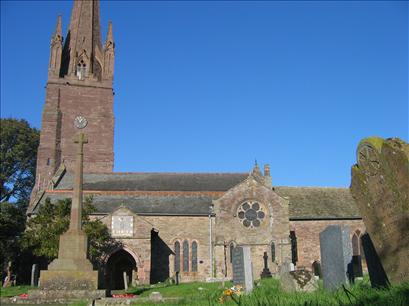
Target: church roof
[
  {"x": 180, "y": 205},
  {"x": 193, "y": 193},
  {"x": 156, "y": 181},
  {"x": 319, "y": 202}
]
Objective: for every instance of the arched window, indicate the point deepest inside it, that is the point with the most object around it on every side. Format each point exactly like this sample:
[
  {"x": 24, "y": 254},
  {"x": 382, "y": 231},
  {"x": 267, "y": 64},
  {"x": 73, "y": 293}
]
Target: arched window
[
  {"x": 231, "y": 251},
  {"x": 177, "y": 256},
  {"x": 356, "y": 254},
  {"x": 185, "y": 256},
  {"x": 294, "y": 251},
  {"x": 194, "y": 256},
  {"x": 273, "y": 252}
]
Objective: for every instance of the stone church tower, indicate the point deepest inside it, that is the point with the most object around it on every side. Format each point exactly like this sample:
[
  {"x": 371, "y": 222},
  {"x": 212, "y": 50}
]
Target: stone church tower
[{"x": 79, "y": 94}]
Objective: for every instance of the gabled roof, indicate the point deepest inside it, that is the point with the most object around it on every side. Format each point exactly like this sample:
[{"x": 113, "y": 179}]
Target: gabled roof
[
  {"x": 180, "y": 205},
  {"x": 193, "y": 193},
  {"x": 156, "y": 181},
  {"x": 319, "y": 202}
]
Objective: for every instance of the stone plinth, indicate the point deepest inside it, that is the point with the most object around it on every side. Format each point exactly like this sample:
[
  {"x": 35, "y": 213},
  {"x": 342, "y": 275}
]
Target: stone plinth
[
  {"x": 72, "y": 253},
  {"x": 71, "y": 270},
  {"x": 69, "y": 280},
  {"x": 64, "y": 295},
  {"x": 380, "y": 187}
]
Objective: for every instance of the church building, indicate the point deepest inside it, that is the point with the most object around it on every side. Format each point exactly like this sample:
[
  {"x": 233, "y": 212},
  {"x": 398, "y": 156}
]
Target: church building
[{"x": 169, "y": 223}]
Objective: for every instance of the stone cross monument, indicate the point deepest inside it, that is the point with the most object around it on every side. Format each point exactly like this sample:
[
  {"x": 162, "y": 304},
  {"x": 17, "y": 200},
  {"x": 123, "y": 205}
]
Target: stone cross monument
[{"x": 72, "y": 270}]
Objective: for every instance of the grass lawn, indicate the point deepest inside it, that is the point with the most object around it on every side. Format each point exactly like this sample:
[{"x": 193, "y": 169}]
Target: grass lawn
[
  {"x": 15, "y": 290},
  {"x": 268, "y": 292}
]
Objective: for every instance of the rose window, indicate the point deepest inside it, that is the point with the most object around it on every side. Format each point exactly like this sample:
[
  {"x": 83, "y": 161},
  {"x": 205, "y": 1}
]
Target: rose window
[{"x": 250, "y": 214}]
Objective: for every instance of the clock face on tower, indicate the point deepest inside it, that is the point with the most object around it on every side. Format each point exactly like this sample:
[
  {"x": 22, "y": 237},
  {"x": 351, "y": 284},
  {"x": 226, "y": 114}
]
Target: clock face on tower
[{"x": 80, "y": 122}]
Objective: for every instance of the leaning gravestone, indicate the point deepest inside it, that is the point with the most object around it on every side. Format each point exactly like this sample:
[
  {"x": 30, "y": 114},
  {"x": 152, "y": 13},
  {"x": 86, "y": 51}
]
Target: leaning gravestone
[
  {"x": 242, "y": 268},
  {"x": 380, "y": 187},
  {"x": 336, "y": 255}
]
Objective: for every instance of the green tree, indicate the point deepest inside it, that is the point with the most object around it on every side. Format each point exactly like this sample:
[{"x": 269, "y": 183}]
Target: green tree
[
  {"x": 43, "y": 231},
  {"x": 18, "y": 156}
]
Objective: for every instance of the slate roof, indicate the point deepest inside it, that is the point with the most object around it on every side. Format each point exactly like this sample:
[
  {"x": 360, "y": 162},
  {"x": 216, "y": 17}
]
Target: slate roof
[
  {"x": 319, "y": 202},
  {"x": 156, "y": 181},
  {"x": 146, "y": 205},
  {"x": 305, "y": 202}
]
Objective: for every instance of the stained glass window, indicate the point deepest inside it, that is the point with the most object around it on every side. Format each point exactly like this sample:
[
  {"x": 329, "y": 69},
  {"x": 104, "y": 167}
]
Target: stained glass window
[
  {"x": 194, "y": 256},
  {"x": 177, "y": 256},
  {"x": 185, "y": 256}
]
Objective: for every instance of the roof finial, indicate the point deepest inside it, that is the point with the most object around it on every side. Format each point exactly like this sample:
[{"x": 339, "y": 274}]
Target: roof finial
[{"x": 255, "y": 162}]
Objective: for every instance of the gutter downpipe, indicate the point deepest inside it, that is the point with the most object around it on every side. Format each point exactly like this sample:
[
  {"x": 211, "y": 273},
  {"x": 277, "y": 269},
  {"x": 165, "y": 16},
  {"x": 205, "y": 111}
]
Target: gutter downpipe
[{"x": 211, "y": 207}]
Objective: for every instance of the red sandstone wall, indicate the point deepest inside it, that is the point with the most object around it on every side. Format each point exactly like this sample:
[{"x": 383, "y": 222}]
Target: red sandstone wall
[{"x": 308, "y": 240}]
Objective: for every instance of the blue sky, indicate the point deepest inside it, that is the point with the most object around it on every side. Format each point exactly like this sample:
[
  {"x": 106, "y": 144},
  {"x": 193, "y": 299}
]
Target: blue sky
[{"x": 210, "y": 86}]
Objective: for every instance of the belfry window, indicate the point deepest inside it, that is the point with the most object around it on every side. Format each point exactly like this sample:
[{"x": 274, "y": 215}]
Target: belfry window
[
  {"x": 81, "y": 70},
  {"x": 177, "y": 256},
  {"x": 185, "y": 256},
  {"x": 194, "y": 256}
]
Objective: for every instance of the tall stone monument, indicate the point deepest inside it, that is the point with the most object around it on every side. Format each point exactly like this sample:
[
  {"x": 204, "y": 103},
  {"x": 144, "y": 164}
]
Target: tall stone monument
[
  {"x": 380, "y": 187},
  {"x": 72, "y": 270}
]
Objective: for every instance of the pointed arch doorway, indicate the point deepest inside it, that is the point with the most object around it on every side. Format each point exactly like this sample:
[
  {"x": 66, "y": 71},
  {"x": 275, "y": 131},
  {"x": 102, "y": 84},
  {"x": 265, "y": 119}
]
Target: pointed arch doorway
[{"x": 118, "y": 263}]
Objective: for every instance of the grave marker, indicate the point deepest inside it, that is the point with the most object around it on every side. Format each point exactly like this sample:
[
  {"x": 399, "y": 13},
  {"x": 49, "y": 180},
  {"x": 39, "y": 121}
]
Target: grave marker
[
  {"x": 336, "y": 256},
  {"x": 242, "y": 268},
  {"x": 380, "y": 187}
]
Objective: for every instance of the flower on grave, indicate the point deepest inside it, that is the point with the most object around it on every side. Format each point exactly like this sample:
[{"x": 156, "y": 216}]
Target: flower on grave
[{"x": 233, "y": 292}]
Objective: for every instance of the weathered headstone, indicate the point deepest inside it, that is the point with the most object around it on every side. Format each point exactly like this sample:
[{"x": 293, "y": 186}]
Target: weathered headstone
[
  {"x": 34, "y": 275},
  {"x": 266, "y": 272},
  {"x": 380, "y": 187},
  {"x": 376, "y": 272},
  {"x": 125, "y": 280},
  {"x": 286, "y": 266},
  {"x": 336, "y": 255},
  {"x": 298, "y": 281},
  {"x": 156, "y": 297},
  {"x": 242, "y": 268}
]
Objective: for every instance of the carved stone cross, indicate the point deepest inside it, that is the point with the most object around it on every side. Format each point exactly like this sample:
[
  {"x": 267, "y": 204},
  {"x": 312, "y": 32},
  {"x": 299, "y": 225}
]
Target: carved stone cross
[{"x": 76, "y": 205}]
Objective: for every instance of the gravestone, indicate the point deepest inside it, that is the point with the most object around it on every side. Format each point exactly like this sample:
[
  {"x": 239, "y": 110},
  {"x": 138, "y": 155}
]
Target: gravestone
[
  {"x": 336, "y": 256},
  {"x": 242, "y": 268},
  {"x": 298, "y": 281},
  {"x": 376, "y": 272},
  {"x": 380, "y": 187},
  {"x": 34, "y": 275},
  {"x": 286, "y": 266},
  {"x": 266, "y": 272}
]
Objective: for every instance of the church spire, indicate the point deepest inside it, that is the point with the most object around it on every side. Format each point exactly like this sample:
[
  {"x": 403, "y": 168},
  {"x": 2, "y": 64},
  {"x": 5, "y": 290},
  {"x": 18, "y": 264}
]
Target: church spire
[{"x": 82, "y": 54}]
